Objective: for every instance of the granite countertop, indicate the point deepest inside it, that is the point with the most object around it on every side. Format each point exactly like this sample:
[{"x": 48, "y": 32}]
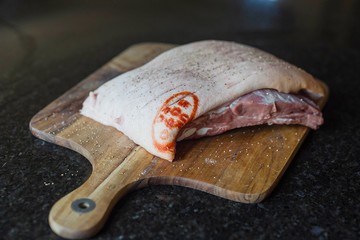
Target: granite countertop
[{"x": 46, "y": 47}]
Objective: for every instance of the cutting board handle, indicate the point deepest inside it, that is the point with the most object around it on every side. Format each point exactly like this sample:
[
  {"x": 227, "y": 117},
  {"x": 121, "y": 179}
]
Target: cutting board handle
[
  {"x": 80, "y": 214},
  {"x": 83, "y": 212}
]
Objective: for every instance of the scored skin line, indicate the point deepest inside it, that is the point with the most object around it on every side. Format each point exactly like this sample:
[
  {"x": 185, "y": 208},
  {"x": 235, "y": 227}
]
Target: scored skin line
[
  {"x": 159, "y": 95},
  {"x": 185, "y": 96}
]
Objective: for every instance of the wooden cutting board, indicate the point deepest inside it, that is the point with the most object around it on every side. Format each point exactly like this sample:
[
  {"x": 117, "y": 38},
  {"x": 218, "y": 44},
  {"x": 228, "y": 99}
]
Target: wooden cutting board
[{"x": 242, "y": 165}]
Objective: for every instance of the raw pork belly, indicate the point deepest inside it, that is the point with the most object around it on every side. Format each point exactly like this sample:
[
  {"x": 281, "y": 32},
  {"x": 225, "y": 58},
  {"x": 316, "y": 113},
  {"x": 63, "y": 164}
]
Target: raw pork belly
[{"x": 190, "y": 85}]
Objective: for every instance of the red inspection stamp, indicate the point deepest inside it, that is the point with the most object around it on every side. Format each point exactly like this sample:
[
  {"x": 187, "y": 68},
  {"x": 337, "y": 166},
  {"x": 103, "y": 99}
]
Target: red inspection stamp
[{"x": 176, "y": 111}]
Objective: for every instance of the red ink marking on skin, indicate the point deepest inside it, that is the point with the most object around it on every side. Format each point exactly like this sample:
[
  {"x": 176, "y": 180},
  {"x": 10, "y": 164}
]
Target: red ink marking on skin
[
  {"x": 161, "y": 117},
  {"x": 164, "y": 134},
  {"x": 169, "y": 122},
  {"x": 184, "y": 117},
  {"x": 178, "y": 119},
  {"x": 166, "y": 110},
  {"x": 184, "y": 103},
  {"x": 175, "y": 111}
]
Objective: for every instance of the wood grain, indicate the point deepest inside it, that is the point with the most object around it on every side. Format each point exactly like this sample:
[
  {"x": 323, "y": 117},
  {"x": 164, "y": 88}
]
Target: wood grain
[{"x": 242, "y": 165}]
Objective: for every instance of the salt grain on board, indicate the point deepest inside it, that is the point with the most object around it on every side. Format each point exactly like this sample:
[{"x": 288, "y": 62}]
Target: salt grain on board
[{"x": 210, "y": 160}]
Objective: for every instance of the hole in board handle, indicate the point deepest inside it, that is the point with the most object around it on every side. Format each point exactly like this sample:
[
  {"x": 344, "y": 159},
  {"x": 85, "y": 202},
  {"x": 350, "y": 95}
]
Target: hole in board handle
[{"x": 83, "y": 205}]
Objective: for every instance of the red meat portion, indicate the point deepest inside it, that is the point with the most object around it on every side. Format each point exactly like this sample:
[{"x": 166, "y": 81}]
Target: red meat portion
[{"x": 264, "y": 106}]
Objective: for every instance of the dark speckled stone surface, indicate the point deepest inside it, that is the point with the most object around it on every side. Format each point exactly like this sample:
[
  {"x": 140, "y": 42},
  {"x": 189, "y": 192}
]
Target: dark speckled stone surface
[{"x": 46, "y": 47}]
